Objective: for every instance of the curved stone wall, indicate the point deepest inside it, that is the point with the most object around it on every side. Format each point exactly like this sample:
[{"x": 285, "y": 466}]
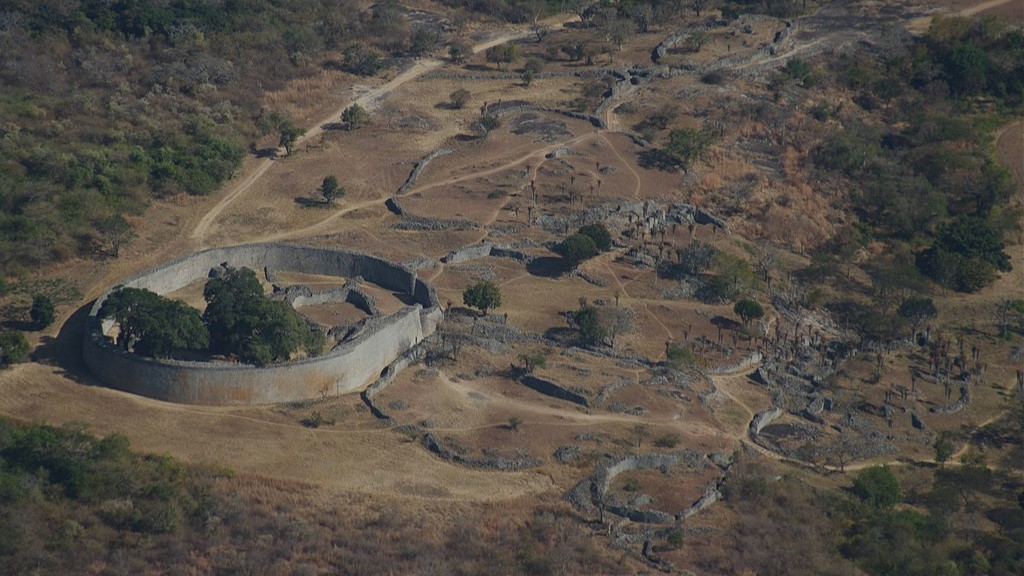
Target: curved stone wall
[{"x": 345, "y": 368}]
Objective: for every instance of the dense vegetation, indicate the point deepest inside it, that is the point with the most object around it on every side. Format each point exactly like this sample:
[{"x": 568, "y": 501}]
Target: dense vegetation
[
  {"x": 107, "y": 105},
  {"x": 961, "y": 520},
  {"x": 74, "y": 503},
  {"x": 923, "y": 178},
  {"x": 239, "y": 321}
]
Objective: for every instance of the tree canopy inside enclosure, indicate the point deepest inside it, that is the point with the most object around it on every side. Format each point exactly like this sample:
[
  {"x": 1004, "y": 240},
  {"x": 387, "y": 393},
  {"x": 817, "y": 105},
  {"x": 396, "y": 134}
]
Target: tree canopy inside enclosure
[
  {"x": 152, "y": 325},
  {"x": 244, "y": 323},
  {"x": 106, "y": 105}
]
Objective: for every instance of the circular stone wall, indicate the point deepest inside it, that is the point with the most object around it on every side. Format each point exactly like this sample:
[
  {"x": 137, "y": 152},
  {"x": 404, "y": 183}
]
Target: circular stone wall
[{"x": 347, "y": 367}]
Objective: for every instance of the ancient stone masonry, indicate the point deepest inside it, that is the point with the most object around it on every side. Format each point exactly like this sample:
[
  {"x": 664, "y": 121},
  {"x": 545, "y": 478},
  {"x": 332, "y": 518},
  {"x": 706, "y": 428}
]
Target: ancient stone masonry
[
  {"x": 359, "y": 357},
  {"x": 431, "y": 442},
  {"x": 590, "y": 493},
  {"x": 420, "y": 166}
]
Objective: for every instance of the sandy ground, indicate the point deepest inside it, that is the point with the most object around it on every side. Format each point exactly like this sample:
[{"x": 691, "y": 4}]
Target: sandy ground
[{"x": 487, "y": 182}]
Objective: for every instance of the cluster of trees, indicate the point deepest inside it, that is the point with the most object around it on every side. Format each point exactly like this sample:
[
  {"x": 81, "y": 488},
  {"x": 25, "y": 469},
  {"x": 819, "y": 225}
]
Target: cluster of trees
[
  {"x": 931, "y": 181},
  {"x": 720, "y": 276},
  {"x": 239, "y": 321},
  {"x": 875, "y": 527}
]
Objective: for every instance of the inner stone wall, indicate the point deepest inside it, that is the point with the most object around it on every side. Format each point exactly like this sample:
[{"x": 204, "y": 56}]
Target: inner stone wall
[{"x": 346, "y": 368}]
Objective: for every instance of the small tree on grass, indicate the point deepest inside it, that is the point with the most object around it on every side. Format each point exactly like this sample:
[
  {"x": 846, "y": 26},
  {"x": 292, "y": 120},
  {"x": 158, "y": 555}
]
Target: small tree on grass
[
  {"x": 599, "y": 234},
  {"x": 577, "y": 248},
  {"x": 587, "y": 323},
  {"x": 41, "y": 312},
  {"x": 641, "y": 431},
  {"x": 459, "y": 51},
  {"x": 331, "y": 190},
  {"x": 13, "y": 348},
  {"x": 513, "y": 423},
  {"x": 533, "y": 360},
  {"x": 117, "y": 232},
  {"x": 748, "y": 310},
  {"x": 680, "y": 357},
  {"x": 917, "y": 311},
  {"x": 686, "y": 145},
  {"x": 354, "y": 117},
  {"x": 290, "y": 133},
  {"x": 484, "y": 295},
  {"x": 944, "y": 448},
  {"x": 460, "y": 98}
]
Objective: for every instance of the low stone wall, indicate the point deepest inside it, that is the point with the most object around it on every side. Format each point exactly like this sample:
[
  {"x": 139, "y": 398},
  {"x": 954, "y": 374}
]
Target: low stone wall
[
  {"x": 762, "y": 419},
  {"x": 430, "y": 442},
  {"x": 345, "y": 368},
  {"x": 418, "y": 168},
  {"x": 471, "y": 252}
]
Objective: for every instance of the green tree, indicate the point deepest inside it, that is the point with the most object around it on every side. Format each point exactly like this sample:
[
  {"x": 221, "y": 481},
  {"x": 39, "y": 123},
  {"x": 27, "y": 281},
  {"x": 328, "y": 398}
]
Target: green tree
[
  {"x": 599, "y": 234},
  {"x": 13, "y": 348},
  {"x": 966, "y": 68},
  {"x": 290, "y": 133},
  {"x": 917, "y": 311},
  {"x": 244, "y": 323},
  {"x": 577, "y": 248},
  {"x": 686, "y": 145},
  {"x": 331, "y": 190},
  {"x": 680, "y": 357},
  {"x": 41, "y": 312},
  {"x": 117, "y": 232},
  {"x": 503, "y": 54},
  {"x": 484, "y": 295},
  {"x": 587, "y": 323},
  {"x": 748, "y": 310},
  {"x": 877, "y": 486},
  {"x": 533, "y": 360},
  {"x": 531, "y": 68},
  {"x": 944, "y": 448},
  {"x": 695, "y": 258},
  {"x": 459, "y": 51},
  {"x": 354, "y": 117},
  {"x": 153, "y": 325}
]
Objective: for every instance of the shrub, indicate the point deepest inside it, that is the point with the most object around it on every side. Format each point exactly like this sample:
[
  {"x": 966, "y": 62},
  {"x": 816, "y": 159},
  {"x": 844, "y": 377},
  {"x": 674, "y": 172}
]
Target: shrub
[
  {"x": 577, "y": 248},
  {"x": 599, "y": 234},
  {"x": 41, "y": 312},
  {"x": 484, "y": 295},
  {"x": 13, "y": 348},
  {"x": 667, "y": 441}
]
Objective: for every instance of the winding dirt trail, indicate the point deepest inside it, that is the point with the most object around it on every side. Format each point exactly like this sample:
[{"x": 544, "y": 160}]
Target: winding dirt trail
[{"x": 370, "y": 100}]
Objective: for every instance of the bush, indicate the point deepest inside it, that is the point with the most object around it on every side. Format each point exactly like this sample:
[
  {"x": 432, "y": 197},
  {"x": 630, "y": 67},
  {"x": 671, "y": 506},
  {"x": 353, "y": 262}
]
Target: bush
[
  {"x": 41, "y": 312},
  {"x": 577, "y": 248},
  {"x": 484, "y": 295},
  {"x": 13, "y": 348},
  {"x": 460, "y": 98},
  {"x": 878, "y": 486},
  {"x": 667, "y": 441},
  {"x": 680, "y": 357},
  {"x": 599, "y": 234}
]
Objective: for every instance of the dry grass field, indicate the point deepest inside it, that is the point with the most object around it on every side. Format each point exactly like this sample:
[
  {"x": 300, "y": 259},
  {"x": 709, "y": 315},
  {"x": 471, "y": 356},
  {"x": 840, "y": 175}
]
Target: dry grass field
[{"x": 474, "y": 400}]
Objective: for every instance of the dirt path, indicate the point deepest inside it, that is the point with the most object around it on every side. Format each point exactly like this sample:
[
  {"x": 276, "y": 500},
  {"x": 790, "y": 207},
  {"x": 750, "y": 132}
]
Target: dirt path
[
  {"x": 568, "y": 417},
  {"x": 370, "y": 100},
  {"x": 318, "y": 226}
]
